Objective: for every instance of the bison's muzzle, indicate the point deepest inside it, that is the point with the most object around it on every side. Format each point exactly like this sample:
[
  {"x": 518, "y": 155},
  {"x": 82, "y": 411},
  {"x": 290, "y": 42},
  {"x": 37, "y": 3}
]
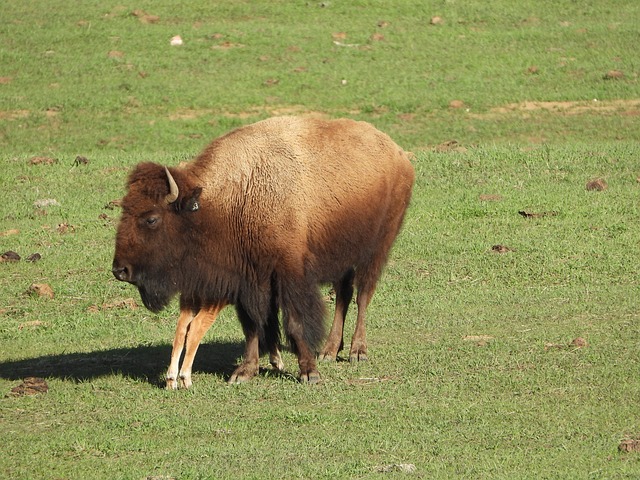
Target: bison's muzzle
[{"x": 122, "y": 272}]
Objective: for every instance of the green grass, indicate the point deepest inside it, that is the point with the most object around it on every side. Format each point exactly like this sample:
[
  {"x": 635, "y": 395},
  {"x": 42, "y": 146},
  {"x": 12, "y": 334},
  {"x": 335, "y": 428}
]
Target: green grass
[{"x": 515, "y": 402}]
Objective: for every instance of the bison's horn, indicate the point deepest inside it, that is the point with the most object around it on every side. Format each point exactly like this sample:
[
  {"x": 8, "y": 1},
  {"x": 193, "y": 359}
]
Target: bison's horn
[{"x": 173, "y": 188}]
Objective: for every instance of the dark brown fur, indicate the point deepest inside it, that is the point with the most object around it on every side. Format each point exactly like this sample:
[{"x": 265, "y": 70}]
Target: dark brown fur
[{"x": 264, "y": 215}]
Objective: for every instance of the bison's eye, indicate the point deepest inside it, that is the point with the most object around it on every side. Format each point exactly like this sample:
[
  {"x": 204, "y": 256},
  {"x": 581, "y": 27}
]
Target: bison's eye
[{"x": 152, "y": 221}]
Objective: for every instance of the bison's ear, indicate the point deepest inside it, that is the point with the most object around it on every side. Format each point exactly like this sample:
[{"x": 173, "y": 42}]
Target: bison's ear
[{"x": 191, "y": 203}]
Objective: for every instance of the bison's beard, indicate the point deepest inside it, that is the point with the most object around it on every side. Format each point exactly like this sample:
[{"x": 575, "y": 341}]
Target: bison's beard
[
  {"x": 156, "y": 295},
  {"x": 154, "y": 301}
]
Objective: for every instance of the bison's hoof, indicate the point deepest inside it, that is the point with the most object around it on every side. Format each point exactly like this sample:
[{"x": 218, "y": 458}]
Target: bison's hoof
[
  {"x": 243, "y": 374},
  {"x": 277, "y": 363},
  {"x": 171, "y": 384},
  {"x": 185, "y": 381},
  {"x": 327, "y": 357},
  {"x": 237, "y": 379},
  {"x": 309, "y": 377},
  {"x": 358, "y": 357}
]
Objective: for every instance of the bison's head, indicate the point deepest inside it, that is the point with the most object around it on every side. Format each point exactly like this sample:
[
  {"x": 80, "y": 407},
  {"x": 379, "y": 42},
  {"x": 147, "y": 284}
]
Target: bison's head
[{"x": 159, "y": 215}]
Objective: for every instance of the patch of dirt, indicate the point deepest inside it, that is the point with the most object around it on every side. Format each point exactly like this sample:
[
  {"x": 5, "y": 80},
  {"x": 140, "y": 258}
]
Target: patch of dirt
[
  {"x": 613, "y": 75},
  {"x": 367, "y": 380},
  {"x": 41, "y": 290},
  {"x": 14, "y": 114},
  {"x": 226, "y": 45},
  {"x": 479, "y": 340},
  {"x": 144, "y": 17},
  {"x": 9, "y": 256},
  {"x": 576, "y": 343},
  {"x": 30, "y": 386},
  {"x": 450, "y": 146},
  {"x": 488, "y": 197},
  {"x": 501, "y": 249},
  {"x": 396, "y": 467},
  {"x": 127, "y": 303},
  {"x": 273, "y": 111},
  {"x": 629, "y": 445},
  {"x": 610, "y": 107},
  {"x": 32, "y": 324},
  {"x": 42, "y": 161},
  {"x": 598, "y": 185},
  {"x": 34, "y": 257}
]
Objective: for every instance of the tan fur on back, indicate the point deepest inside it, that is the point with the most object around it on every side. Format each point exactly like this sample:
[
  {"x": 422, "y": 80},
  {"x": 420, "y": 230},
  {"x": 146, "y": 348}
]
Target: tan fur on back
[{"x": 291, "y": 174}]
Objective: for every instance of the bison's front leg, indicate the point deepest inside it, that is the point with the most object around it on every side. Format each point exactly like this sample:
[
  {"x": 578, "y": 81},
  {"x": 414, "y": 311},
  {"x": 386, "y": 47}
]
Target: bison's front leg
[
  {"x": 199, "y": 326},
  {"x": 184, "y": 321}
]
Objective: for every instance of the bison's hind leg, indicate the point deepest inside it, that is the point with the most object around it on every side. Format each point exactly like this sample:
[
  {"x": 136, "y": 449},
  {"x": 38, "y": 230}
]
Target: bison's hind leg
[
  {"x": 344, "y": 294},
  {"x": 250, "y": 360},
  {"x": 366, "y": 280},
  {"x": 272, "y": 336},
  {"x": 303, "y": 318}
]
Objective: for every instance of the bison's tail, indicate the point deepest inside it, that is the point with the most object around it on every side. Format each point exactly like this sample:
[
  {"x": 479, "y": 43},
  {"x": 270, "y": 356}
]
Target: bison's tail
[{"x": 303, "y": 313}]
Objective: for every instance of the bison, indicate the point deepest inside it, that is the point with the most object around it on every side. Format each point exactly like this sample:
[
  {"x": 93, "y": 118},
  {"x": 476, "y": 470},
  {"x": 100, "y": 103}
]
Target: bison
[{"x": 260, "y": 219}]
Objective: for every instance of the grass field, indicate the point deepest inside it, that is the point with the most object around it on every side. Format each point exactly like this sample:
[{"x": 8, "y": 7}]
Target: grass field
[{"x": 503, "y": 338}]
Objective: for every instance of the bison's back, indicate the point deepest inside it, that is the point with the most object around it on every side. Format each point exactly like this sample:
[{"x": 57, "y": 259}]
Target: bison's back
[{"x": 311, "y": 189}]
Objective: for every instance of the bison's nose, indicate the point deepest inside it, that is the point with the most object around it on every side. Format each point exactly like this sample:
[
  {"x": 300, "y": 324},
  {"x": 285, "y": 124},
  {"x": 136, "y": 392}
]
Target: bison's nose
[{"x": 122, "y": 272}]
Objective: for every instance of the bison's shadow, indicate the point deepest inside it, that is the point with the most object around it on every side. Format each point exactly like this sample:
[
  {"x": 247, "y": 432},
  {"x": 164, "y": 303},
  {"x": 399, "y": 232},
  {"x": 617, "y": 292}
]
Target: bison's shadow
[{"x": 146, "y": 363}]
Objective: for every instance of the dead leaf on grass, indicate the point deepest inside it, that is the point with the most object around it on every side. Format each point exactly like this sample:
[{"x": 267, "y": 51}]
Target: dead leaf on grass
[
  {"x": 5, "y": 80},
  {"x": 113, "y": 204},
  {"x": 30, "y": 386},
  {"x": 7, "y": 233},
  {"x": 436, "y": 20},
  {"x": 528, "y": 214},
  {"x": 115, "y": 54},
  {"x": 80, "y": 160},
  {"x": 65, "y": 228}
]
